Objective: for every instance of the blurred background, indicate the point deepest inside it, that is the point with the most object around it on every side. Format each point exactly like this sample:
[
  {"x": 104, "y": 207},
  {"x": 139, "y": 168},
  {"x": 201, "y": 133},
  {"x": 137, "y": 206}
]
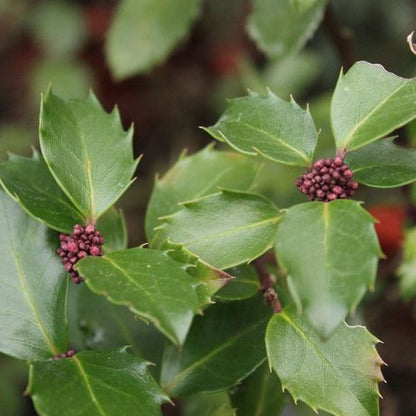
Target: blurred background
[{"x": 63, "y": 43}]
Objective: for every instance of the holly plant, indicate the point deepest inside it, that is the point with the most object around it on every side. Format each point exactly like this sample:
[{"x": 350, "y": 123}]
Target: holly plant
[{"x": 235, "y": 300}]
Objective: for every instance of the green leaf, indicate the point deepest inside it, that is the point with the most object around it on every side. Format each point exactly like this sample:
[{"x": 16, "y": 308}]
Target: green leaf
[
  {"x": 211, "y": 404},
  {"x": 267, "y": 125},
  {"x": 383, "y": 164},
  {"x": 369, "y": 103},
  {"x": 225, "y": 229},
  {"x": 244, "y": 285},
  {"x": 145, "y": 32},
  {"x": 94, "y": 383},
  {"x": 196, "y": 176},
  {"x": 34, "y": 284},
  {"x": 113, "y": 227},
  {"x": 339, "y": 375},
  {"x": 260, "y": 394},
  {"x": 222, "y": 348},
  {"x": 29, "y": 182},
  {"x": 87, "y": 151},
  {"x": 407, "y": 270},
  {"x": 149, "y": 283},
  {"x": 329, "y": 252},
  {"x": 280, "y": 31}
]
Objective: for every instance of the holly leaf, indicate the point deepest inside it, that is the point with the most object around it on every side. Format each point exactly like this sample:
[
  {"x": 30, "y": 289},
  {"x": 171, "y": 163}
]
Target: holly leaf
[
  {"x": 34, "y": 285},
  {"x": 95, "y": 383},
  {"x": 369, "y": 103},
  {"x": 196, "y": 176},
  {"x": 87, "y": 151},
  {"x": 225, "y": 229},
  {"x": 281, "y": 31},
  {"x": 339, "y": 375},
  {"x": 112, "y": 226},
  {"x": 383, "y": 164},
  {"x": 260, "y": 394},
  {"x": 407, "y": 269},
  {"x": 267, "y": 125},
  {"x": 329, "y": 251},
  {"x": 222, "y": 348},
  {"x": 150, "y": 283},
  {"x": 144, "y": 33},
  {"x": 29, "y": 182}
]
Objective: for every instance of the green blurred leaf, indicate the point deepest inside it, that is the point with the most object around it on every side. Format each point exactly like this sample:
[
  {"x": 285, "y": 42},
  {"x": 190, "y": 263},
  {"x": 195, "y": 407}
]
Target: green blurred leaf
[
  {"x": 383, "y": 164},
  {"x": 368, "y": 103},
  {"x": 94, "y": 383},
  {"x": 112, "y": 226},
  {"x": 15, "y": 139},
  {"x": 222, "y": 348},
  {"x": 339, "y": 375},
  {"x": 282, "y": 29},
  {"x": 196, "y": 176},
  {"x": 87, "y": 151},
  {"x": 208, "y": 404},
  {"x": 260, "y": 394},
  {"x": 149, "y": 283},
  {"x": 329, "y": 252},
  {"x": 34, "y": 285},
  {"x": 145, "y": 32},
  {"x": 225, "y": 229},
  {"x": 267, "y": 125},
  {"x": 29, "y": 182},
  {"x": 407, "y": 270}
]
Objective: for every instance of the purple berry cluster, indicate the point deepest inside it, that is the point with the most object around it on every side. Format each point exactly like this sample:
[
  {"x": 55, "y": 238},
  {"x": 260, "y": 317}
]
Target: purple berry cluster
[
  {"x": 67, "y": 354},
  {"x": 83, "y": 242},
  {"x": 327, "y": 180}
]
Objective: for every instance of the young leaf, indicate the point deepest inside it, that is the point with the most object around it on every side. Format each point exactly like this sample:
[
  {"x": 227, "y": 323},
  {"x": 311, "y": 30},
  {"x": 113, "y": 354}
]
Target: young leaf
[
  {"x": 196, "y": 176},
  {"x": 149, "y": 283},
  {"x": 339, "y": 375},
  {"x": 144, "y": 32},
  {"x": 225, "y": 229},
  {"x": 407, "y": 270},
  {"x": 267, "y": 125},
  {"x": 383, "y": 164},
  {"x": 29, "y": 182},
  {"x": 87, "y": 151},
  {"x": 369, "y": 103},
  {"x": 329, "y": 252},
  {"x": 260, "y": 394},
  {"x": 33, "y": 295},
  {"x": 280, "y": 31},
  {"x": 113, "y": 227},
  {"x": 94, "y": 383},
  {"x": 222, "y": 348}
]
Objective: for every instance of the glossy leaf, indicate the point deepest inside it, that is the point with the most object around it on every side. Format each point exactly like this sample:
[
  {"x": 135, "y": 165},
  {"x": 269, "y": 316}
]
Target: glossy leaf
[
  {"x": 29, "y": 182},
  {"x": 113, "y": 227},
  {"x": 196, "y": 176},
  {"x": 94, "y": 383},
  {"x": 369, "y": 103},
  {"x": 144, "y": 32},
  {"x": 280, "y": 31},
  {"x": 329, "y": 252},
  {"x": 260, "y": 394},
  {"x": 87, "y": 151},
  {"x": 267, "y": 125},
  {"x": 33, "y": 282},
  {"x": 339, "y": 375},
  {"x": 383, "y": 164},
  {"x": 222, "y": 348},
  {"x": 407, "y": 270},
  {"x": 225, "y": 229},
  {"x": 149, "y": 283}
]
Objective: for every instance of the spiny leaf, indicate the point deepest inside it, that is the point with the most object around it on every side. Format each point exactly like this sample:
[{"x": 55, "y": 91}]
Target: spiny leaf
[
  {"x": 329, "y": 252},
  {"x": 267, "y": 125},
  {"x": 87, "y": 151},
  {"x": 34, "y": 284},
  {"x": 369, "y": 103},
  {"x": 95, "y": 383},
  {"x": 113, "y": 227},
  {"x": 339, "y": 375}
]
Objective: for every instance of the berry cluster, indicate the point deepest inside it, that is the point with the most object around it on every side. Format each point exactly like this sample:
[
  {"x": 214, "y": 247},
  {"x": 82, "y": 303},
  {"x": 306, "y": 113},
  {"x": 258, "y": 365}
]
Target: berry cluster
[
  {"x": 81, "y": 243},
  {"x": 327, "y": 180},
  {"x": 67, "y": 354}
]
